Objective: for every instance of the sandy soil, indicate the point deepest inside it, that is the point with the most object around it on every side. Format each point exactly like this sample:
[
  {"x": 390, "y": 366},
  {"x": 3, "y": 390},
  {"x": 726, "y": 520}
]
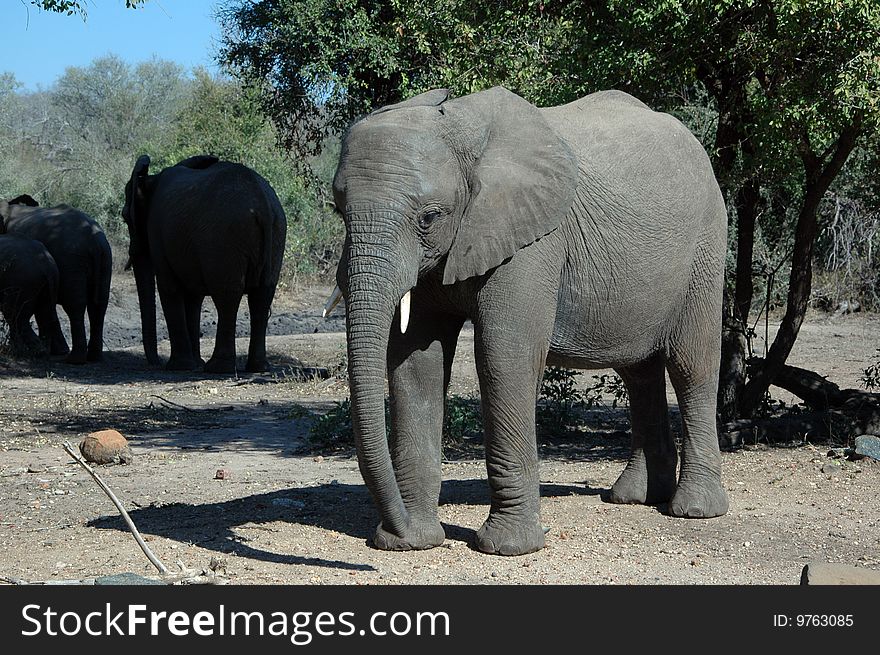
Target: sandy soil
[{"x": 287, "y": 513}]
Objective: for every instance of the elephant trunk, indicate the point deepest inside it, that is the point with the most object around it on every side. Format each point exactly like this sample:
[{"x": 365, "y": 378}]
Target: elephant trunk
[
  {"x": 371, "y": 307},
  {"x": 145, "y": 279}
]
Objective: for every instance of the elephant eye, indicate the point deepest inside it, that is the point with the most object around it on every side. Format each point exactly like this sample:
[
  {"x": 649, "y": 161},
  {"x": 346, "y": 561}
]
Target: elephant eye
[{"x": 428, "y": 218}]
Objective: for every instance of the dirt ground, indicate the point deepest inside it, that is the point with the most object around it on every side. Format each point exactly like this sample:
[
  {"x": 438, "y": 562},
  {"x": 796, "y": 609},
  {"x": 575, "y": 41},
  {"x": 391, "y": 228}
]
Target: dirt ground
[{"x": 288, "y": 514}]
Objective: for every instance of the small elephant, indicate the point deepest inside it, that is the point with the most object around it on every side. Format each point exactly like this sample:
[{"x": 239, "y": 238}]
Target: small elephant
[
  {"x": 85, "y": 263},
  {"x": 588, "y": 235},
  {"x": 204, "y": 227},
  {"x": 29, "y": 287}
]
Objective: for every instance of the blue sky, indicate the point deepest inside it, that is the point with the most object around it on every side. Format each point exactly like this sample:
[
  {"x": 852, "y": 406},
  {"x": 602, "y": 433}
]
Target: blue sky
[{"x": 37, "y": 45}]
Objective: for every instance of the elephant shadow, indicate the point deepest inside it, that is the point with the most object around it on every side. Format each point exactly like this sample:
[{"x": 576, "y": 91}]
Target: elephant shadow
[{"x": 336, "y": 507}]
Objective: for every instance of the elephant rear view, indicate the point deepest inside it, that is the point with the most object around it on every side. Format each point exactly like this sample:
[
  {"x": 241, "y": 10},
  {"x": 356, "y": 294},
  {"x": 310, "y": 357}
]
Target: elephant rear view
[
  {"x": 204, "y": 227},
  {"x": 28, "y": 287},
  {"x": 81, "y": 250}
]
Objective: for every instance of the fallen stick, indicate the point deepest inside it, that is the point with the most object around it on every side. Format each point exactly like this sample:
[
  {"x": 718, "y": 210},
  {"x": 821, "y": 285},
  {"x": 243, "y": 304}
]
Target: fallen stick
[
  {"x": 173, "y": 404},
  {"x": 137, "y": 535}
]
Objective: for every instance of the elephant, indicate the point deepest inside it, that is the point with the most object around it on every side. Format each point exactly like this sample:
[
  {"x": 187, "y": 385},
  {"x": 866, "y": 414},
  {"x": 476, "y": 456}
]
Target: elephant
[
  {"x": 587, "y": 235},
  {"x": 204, "y": 227},
  {"x": 85, "y": 266},
  {"x": 29, "y": 287}
]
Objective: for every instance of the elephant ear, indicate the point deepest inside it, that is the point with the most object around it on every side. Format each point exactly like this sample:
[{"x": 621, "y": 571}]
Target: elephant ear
[
  {"x": 522, "y": 179},
  {"x": 24, "y": 199},
  {"x": 431, "y": 98},
  {"x": 198, "y": 162}
]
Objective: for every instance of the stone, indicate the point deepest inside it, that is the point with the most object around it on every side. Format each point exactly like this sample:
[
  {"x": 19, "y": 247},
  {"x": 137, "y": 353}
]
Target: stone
[
  {"x": 868, "y": 445},
  {"x": 36, "y": 468},
  {"x": 831, "y": 468},
  {"x": 106, "y": 447},
  {"x": 222, "y": 474},
  {"x": 818, "y": 573}
]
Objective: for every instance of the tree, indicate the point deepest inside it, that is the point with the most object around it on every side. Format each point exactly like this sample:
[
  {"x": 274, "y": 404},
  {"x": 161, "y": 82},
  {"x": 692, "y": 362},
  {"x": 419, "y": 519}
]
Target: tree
[
  {"x": 792, "y": 86},
  {"x": 71, "y": 7}
]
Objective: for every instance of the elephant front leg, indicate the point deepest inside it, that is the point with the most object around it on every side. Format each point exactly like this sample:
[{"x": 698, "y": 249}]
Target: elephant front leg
[
  {"x": 419, "y": 366},
  {"x": 510, "y": 365}
]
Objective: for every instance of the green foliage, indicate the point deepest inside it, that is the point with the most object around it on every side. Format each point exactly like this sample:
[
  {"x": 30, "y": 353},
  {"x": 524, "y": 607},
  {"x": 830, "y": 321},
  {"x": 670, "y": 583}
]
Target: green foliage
[
  {"x": 562, "y": 402},
  {"x": 71, "y": 7},
  {"x": 76, "y": 143},
  {"x": 462, "y": 423}
]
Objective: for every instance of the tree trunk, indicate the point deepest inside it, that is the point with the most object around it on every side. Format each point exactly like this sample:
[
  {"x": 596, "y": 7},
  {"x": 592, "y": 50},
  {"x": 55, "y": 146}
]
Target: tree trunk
[{"x": 819, "y": 176}]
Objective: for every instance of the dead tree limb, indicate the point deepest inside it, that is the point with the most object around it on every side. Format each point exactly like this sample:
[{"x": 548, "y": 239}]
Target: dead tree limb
[{"x": 134, "y": 531}]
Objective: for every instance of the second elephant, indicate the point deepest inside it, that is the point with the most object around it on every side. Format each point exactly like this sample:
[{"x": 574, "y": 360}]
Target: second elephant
[
  {"x": 204, "y": 227},
  {"x": 28, "y": 287},
  {"x": 81, "y": 250}
]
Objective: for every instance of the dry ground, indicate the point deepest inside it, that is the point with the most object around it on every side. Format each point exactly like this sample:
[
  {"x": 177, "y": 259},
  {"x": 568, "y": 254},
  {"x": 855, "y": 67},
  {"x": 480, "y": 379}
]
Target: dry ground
[{"x": 287, "y": 514}]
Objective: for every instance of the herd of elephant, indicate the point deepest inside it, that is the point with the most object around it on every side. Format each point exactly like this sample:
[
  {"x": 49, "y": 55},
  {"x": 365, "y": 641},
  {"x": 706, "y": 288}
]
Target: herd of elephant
[
  {"x": 589, "y": 235},
  {"x": 203, "y": 227}
]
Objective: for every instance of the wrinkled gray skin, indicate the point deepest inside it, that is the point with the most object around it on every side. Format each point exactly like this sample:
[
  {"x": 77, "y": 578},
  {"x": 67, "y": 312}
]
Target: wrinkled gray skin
[
  {"x": 29, "y": 287},
  {"x": 82, "y": 253},
  {"x": 589, "y": 235},
  {"x": 204, "y": 227}
]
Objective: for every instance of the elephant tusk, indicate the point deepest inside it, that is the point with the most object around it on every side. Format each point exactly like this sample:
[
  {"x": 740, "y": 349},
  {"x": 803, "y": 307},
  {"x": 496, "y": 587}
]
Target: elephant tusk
[
  {"x": 332, "y": 301},
  {"x": 404, "y": 311}
]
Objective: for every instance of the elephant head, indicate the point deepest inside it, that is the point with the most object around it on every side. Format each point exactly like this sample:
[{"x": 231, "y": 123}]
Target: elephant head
[{"x": 434, "y": 182}]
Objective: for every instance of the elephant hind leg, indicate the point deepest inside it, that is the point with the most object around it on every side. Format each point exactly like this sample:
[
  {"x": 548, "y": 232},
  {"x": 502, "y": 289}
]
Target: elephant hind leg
[
  {"x": 95, "y": 350},
  {"x": 649, "y": 476},
  {"x": 223, "y": 358},
  {"x": 259, "y": 304},
  {"x": 693, "y": 361},
  {"x": 77, "y": 315},
  {"x": 193, "y": 309}
]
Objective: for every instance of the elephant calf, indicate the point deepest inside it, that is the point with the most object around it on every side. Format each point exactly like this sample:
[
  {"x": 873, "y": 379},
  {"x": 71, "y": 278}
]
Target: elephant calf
[
  {"x": 589, "y": 235},
  {"x": 28, "y": 287},
  {"x": 82, "y": 253},
  {"x": 204, "y": 227}
]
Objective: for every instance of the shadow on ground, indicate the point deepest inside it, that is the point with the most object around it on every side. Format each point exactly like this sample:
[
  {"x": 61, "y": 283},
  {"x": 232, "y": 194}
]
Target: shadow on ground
[{"x": 343, "y": 508}]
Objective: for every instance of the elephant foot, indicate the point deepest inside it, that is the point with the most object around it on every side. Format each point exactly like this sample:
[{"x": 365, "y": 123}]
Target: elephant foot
[
  {"x": 260, "y": 366},
  {"x": 59, "y": 351},
  {"x": 420, "y": 537},
  {"x": 699, "y": 500},
  {"x": 636, "y": 487},
  {"x": 220, "y": 365},
  {"x": 76, "y": 358},
  {"x": 181, "y": 365},
  {"x": 510, "y": 540},
  {"x": 95, "y": 356}
]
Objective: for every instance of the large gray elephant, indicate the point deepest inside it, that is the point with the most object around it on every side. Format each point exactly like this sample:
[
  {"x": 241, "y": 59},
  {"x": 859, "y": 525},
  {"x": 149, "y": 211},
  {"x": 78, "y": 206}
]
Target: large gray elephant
[
  {"x": 588, "y": 235},
  {"x": 85, "y": 264},
  {"x": 29, "y": 287},
  {"x": 204, "y": 227}
]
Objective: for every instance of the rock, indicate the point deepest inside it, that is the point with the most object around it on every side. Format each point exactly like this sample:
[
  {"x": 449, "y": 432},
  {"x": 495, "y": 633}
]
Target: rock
[
  {"x": 831, "y": 468},
  {"x": 106, "y": 447},
  {"x": 868, "y": 446},
  {"x": 817, "y": 573},
  {"x": 222, "y": 474},
  {"x": 36, "y": 468}
]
